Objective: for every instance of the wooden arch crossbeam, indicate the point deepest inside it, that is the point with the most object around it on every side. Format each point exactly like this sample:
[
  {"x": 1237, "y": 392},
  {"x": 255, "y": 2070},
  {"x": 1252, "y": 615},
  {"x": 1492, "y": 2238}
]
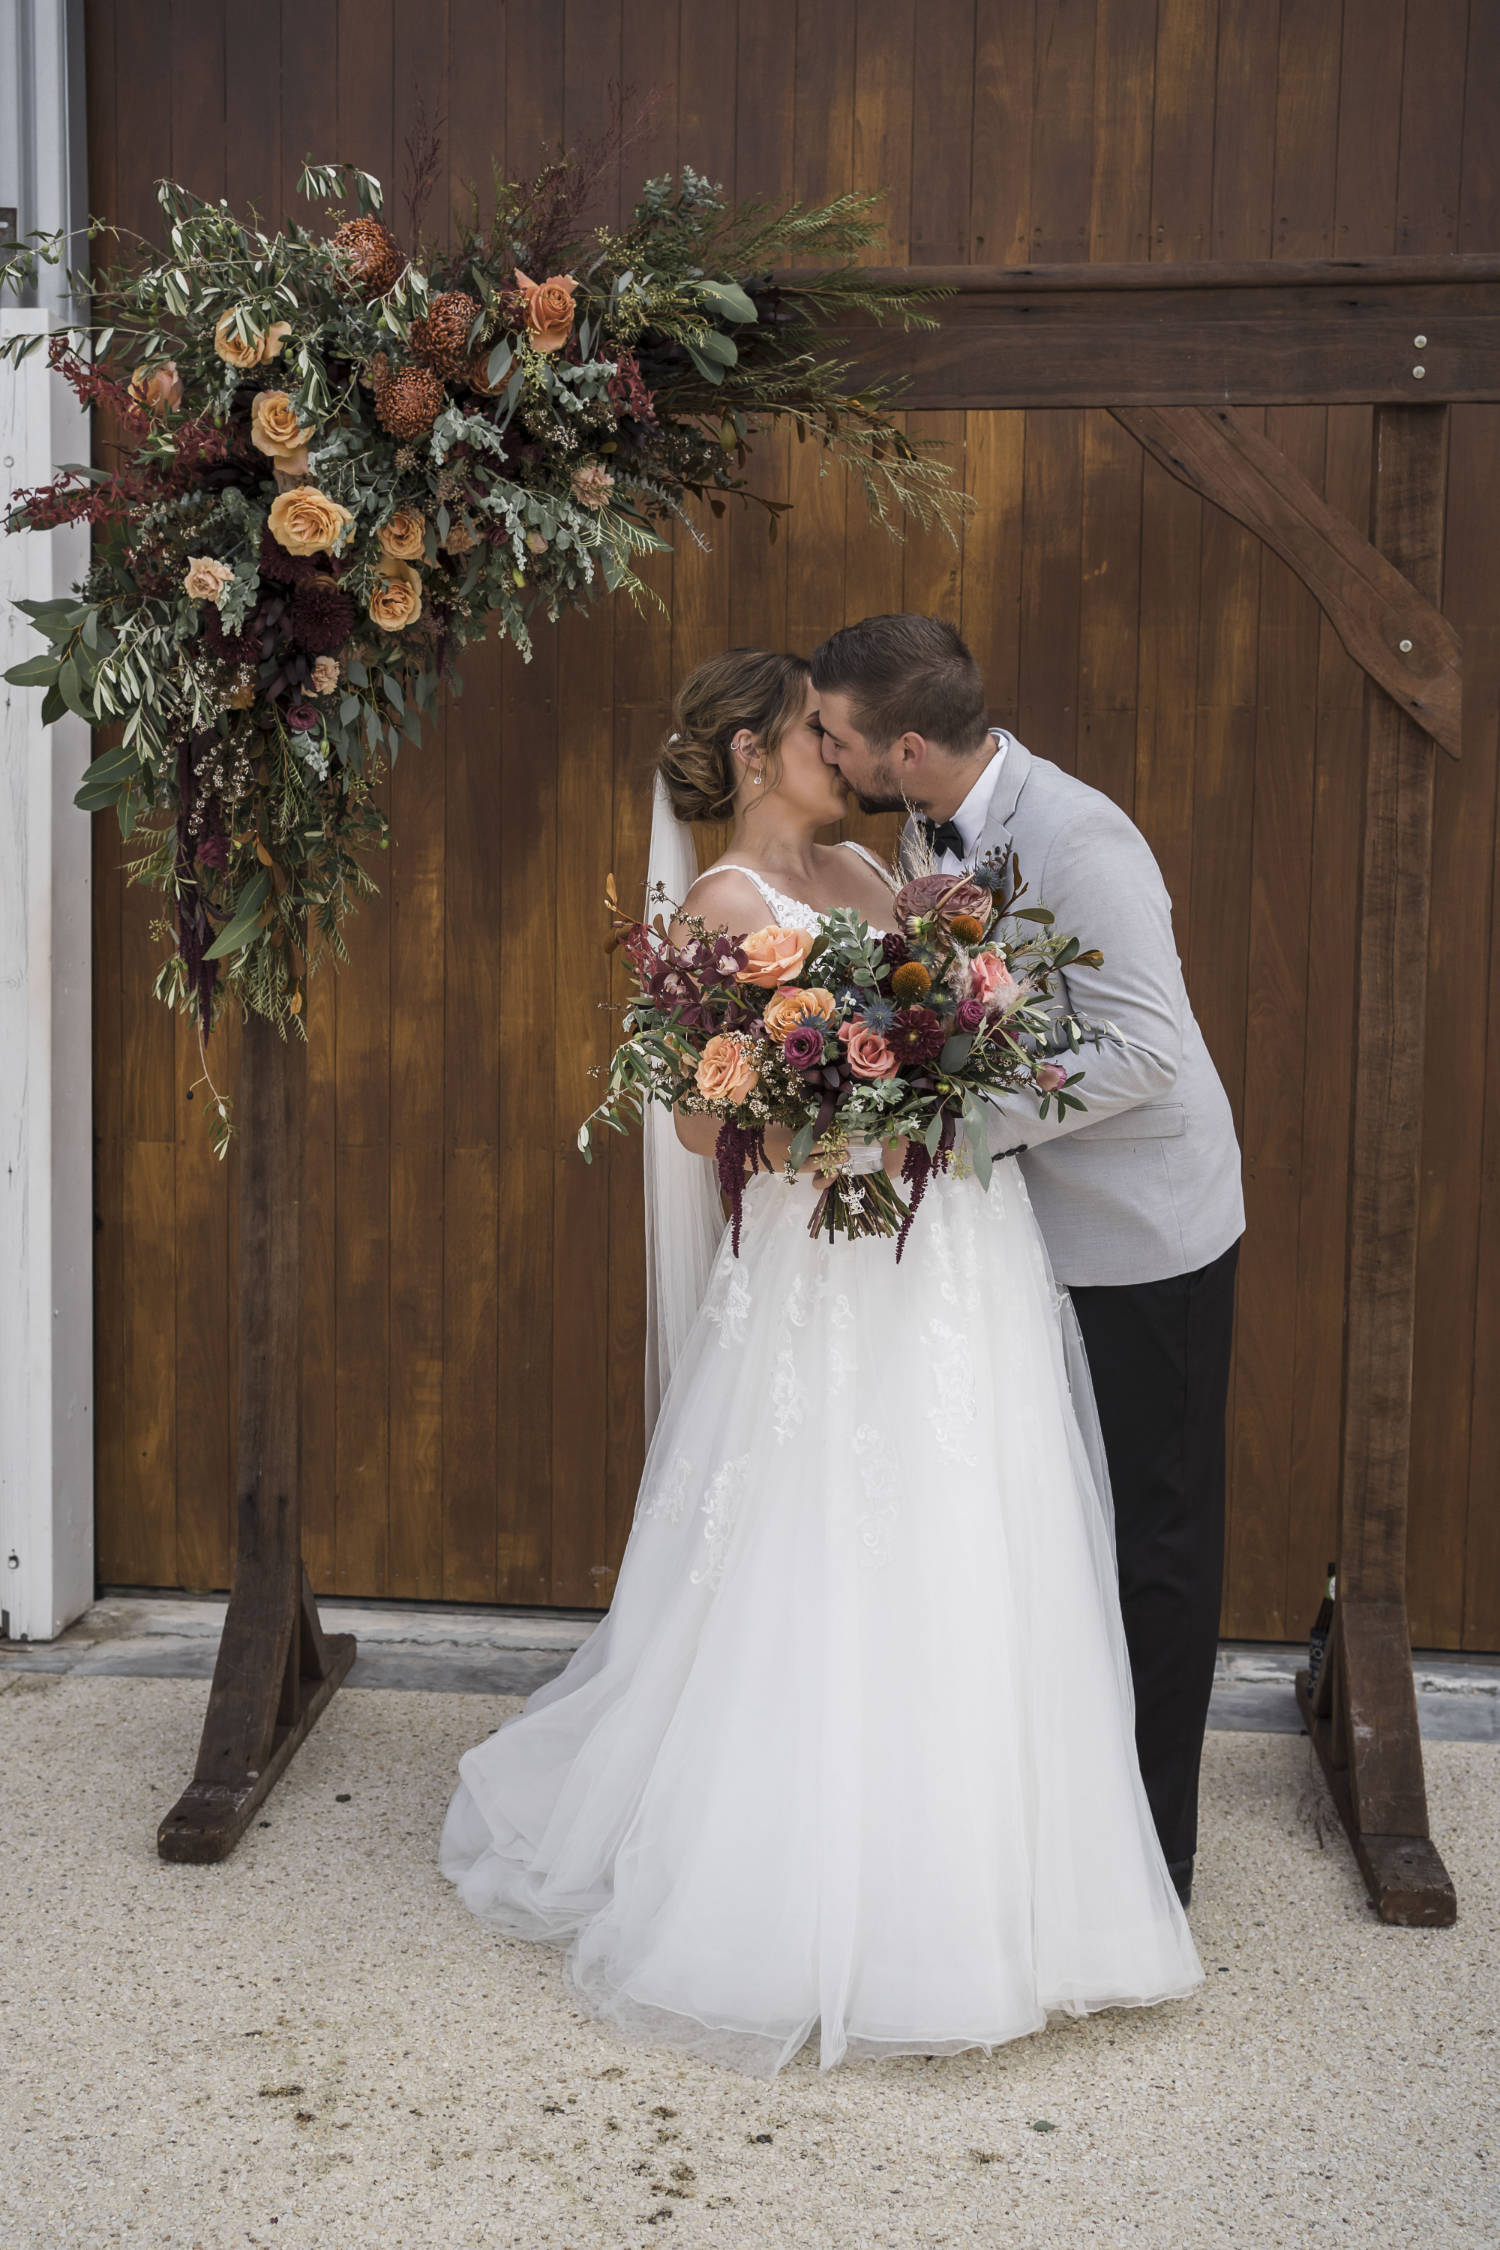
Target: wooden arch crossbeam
[{"x": 1173, "y": 350}]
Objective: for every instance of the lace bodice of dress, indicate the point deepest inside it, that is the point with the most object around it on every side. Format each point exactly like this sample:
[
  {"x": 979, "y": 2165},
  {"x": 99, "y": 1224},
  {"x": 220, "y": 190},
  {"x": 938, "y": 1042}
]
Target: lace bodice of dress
[{"x": 796, "y": 913}]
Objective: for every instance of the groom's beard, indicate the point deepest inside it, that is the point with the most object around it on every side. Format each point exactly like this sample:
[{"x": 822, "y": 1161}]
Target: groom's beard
[{"x": 880, "y": 801}]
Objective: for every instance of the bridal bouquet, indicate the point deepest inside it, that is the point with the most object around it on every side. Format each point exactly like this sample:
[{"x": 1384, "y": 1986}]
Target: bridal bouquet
[
  {"x": 850, "y": 1040},
  {"x": 341, "y": 454}
]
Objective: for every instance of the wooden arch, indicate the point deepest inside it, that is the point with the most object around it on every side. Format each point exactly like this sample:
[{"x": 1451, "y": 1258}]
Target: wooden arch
[{"x": 1173, "y": 351}]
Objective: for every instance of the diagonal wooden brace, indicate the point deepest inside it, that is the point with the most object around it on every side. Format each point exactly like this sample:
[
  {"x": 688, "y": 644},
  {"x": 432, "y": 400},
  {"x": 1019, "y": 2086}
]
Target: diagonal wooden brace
[{"x": 1390, "y": 628}]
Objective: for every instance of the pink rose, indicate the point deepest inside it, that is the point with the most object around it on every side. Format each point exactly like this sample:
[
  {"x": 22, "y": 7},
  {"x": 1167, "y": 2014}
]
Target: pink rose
[
  {"x": 1049, "y": 1076},
  {"x": 992, "y": 985},
  {"x": 871, "y": 1054}
]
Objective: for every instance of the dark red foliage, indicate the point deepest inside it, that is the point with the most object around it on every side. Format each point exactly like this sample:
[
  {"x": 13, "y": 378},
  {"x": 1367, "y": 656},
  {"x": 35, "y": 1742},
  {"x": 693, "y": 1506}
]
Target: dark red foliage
[
  {"x": 194, "y": 930},
  {"x": 917, "y": 1169},
  {"x": 628, "y": 394},
  {"x": 95, "y": 386},
  {"x": 739, "y": 1150},
  {"x": 230, "y": 648}
]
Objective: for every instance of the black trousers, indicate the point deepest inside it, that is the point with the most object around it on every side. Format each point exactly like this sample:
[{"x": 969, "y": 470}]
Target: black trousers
[{"x": 1159, "y": 1356}]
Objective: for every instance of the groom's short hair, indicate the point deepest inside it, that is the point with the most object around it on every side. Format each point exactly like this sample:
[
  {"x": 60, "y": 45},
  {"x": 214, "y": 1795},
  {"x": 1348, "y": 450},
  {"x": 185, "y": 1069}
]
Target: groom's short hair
[{"x": 905, "y": 675}]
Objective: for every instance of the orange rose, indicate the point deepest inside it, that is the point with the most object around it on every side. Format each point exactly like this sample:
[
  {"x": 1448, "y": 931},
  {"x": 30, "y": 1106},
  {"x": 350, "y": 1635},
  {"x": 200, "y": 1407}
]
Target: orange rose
[
  {"x": 275, "y": 429},
  {"x": 792, "y": 1005},
  {"x": 395, "y": 597},
  {"x": 260, "y": 348},
  {"x": 157, "y": 388},
  {"x": 549, "y": 310},
  {"x": 306, "y": 522},
  {"x": 774, "y": 955},
  {"x": 403, "y": 535},
  {"x": 725, "y": 1072}
]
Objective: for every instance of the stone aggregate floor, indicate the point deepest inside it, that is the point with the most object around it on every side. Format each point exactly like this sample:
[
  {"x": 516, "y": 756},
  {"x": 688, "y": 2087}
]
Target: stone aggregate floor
[{"x": 313, "y": 2046}]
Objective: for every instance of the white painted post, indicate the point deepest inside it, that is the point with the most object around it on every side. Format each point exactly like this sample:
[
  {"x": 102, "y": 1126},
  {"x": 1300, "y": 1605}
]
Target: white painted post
[{"x": 46, "y": 1192}]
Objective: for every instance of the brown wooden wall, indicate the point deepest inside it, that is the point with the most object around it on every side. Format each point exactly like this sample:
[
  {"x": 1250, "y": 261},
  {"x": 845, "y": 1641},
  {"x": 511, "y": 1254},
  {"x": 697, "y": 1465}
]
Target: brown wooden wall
[{"x": 473, "y": 1293}]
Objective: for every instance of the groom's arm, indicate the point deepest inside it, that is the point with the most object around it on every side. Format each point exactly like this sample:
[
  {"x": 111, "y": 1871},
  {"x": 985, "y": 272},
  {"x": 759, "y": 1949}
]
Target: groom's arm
[{"x": 1102, "y": 884}]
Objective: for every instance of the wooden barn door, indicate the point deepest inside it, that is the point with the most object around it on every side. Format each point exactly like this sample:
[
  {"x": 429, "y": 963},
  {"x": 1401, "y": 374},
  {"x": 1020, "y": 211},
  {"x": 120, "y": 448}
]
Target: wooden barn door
[{"x": 472, "y": 1292}]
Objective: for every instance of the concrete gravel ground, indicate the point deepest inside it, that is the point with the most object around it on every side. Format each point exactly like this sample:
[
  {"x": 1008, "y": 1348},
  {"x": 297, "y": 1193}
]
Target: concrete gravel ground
[{"x": 313, "y": 2047}]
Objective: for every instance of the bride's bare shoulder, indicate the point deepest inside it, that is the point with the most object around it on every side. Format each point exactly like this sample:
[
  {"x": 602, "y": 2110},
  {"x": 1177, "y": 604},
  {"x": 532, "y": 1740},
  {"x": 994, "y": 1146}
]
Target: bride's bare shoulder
[
  {"x": 724, "y": 896},
  {"x": 726, "y": 900}
]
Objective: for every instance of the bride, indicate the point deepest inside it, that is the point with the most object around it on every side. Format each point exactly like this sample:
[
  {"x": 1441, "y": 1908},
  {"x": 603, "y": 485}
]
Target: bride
[{"x": 852, "y": 1751}]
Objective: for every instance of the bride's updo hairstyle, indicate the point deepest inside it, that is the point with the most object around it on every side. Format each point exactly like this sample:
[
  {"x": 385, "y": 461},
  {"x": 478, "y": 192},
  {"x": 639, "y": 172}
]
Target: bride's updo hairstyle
[{"x": 746, "y": 690}]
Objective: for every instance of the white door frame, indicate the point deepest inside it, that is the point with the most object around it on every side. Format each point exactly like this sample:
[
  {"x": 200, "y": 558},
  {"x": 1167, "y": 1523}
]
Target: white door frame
[{"x": 46, "y": 1184}]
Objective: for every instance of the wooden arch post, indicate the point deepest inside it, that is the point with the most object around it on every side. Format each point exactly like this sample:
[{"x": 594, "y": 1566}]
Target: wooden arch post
[{"x": 1172, "y": 350}]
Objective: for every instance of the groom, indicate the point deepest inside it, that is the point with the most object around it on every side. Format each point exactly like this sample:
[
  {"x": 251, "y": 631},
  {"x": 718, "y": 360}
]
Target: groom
[{"x": 1137, "y": 1195}]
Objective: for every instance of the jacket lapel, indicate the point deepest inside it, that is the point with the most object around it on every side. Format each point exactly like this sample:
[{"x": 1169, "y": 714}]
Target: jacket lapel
[{"x": 995, "y": 835}]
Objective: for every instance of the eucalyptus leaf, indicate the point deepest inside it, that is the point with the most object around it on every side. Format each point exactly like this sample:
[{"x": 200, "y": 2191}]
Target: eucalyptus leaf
[
  {"x": 33, "y": 671},
  {"x": 802, "y": 1142},
  {"x": 240, "y": 927},
  {"x": 728, "y": 299}
]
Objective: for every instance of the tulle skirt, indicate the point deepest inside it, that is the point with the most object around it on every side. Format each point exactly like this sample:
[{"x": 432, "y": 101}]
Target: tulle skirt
[{"x": 853, "y": 1750}]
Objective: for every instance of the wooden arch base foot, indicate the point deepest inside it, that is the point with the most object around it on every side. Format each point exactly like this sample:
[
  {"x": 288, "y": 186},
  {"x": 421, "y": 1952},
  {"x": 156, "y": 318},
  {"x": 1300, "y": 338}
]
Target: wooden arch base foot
[
  {"x": 215, "y": 1809},
  {"x": 1361, "y": 1717}
]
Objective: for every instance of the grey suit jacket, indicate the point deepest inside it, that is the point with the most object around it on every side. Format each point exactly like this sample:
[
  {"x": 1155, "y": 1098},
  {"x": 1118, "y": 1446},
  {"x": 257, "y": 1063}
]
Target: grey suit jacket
[{"x": 1145, "y": 1181}]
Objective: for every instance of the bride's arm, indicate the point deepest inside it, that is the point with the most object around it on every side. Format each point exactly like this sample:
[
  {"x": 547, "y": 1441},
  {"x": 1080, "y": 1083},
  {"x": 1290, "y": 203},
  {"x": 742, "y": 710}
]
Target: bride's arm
[{"x": 725, "y": 901}]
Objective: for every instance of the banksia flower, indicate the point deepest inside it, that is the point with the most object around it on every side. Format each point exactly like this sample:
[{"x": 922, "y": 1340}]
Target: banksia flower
[
  {"x": 910, "y": 982},
  {"x": 441, "y": 338},
  {"x": 408, "y": 400},
  {"x": 370, "y": 254}
]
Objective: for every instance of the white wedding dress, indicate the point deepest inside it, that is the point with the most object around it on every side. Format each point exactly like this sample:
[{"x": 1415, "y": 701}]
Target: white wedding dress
[{"x": 853, "y": 1749}]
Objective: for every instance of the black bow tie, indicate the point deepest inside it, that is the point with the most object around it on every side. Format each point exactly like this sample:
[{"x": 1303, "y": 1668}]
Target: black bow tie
[{"x": 943, "y": 836}]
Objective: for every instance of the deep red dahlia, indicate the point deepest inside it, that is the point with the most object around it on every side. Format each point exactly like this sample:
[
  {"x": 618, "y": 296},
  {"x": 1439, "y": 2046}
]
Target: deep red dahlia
[
  {"x": 281, "y": 569},
  {"x": 916, "y": 1035},
  {"x": 323, "y": 618}
]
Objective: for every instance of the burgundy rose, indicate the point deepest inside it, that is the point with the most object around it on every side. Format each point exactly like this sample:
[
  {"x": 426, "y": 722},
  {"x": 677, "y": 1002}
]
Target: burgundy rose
[
  {"x": 213, "y": 851},
  {"x": 916, "y": 1035},
  {"x": 968, "y": 1015},
  {"x": 803, "y": 1047},
  {"x": 304, "y": 718}
]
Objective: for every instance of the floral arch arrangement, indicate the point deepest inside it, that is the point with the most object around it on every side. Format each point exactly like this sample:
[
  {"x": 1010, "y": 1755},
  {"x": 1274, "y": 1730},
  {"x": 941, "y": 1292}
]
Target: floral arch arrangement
[{"x": 340, "y": 460}]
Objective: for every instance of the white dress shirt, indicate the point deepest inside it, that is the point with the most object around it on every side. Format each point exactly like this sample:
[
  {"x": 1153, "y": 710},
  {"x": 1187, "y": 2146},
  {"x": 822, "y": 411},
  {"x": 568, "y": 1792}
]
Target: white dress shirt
[{"x": 972, "y": 814}]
